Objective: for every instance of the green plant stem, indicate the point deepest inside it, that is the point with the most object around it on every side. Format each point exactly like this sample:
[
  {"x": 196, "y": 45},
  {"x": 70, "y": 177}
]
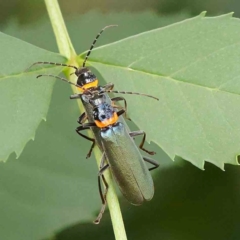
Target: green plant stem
[
  {"x": 66, "y": 48},
  {"x": 112, "y": 199},
  {"x": 60, "y": 31},
  {"x": 114, "y": 209}
]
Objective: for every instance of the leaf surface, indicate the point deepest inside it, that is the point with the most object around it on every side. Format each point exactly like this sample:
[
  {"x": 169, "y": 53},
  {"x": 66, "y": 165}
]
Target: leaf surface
[
  {"x": 193, "y": 68},
  {"x": 24, "y": 99}
]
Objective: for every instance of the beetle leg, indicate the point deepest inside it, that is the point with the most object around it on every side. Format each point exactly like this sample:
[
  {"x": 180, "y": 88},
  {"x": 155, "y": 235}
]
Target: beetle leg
[
  {"x": 116, "y": 99},
  {"x": 102, "y": 168},
  {"x": 103, "y": 196},
  {"x": 84, "y": 127},
  {"x": 75, "y": 96},
  {"x": 82, "y": 118},
  {"x": 140, "y": 132},
  {"x": 153, "y": 162},
  {"x": 119, "y": 113},
  {"x": 108, "y": 86}
]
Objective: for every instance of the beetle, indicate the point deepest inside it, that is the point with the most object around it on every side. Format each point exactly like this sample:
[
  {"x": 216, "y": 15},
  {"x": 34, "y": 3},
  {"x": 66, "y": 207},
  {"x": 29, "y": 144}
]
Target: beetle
[
  {"x": 120, "y": 154},
  {"x": 87, "y": 83}
]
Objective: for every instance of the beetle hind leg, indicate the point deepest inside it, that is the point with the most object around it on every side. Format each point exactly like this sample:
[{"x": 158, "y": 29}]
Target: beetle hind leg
[
  {"x": 102, "y": 195},
  {"x": 153, "y": 162}
]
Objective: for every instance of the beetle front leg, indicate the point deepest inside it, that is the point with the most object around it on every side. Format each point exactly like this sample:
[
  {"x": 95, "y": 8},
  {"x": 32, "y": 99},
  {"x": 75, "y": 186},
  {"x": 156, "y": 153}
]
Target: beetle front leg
[{"x": 117, "y": 99}]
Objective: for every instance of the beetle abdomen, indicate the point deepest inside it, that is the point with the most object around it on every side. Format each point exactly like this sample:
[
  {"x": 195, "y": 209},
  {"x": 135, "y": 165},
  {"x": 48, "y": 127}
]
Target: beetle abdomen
[{"x": 127, "y": 165}]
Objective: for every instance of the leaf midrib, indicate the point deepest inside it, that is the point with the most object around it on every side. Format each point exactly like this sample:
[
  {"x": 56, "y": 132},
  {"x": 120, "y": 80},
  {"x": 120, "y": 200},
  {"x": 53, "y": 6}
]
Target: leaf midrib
[
  {"x": 15, "y": 75},
  {"x": 176, "y": 80}
]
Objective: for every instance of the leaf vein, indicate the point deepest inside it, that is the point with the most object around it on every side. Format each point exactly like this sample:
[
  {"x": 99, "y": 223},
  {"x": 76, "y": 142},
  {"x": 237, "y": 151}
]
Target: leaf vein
[
  {"x": 176, "y": 80},
  {"x": 203, "y": 57}
]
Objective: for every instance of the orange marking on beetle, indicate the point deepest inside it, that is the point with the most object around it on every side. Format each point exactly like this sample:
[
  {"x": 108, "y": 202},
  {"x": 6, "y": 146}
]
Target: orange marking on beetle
[
  {"x": 107, "y": 122},
  {"x": 88, "y": 85}
]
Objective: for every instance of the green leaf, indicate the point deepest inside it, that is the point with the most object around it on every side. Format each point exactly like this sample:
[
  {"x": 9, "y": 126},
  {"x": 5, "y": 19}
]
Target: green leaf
[
  {"x": 193, "y": 67},
  {"x": 24, "y": 99}
]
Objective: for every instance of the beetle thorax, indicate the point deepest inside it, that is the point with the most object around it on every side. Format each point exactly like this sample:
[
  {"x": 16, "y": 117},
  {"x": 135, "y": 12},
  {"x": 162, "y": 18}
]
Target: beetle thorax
[{"x": 104, "y": 115}]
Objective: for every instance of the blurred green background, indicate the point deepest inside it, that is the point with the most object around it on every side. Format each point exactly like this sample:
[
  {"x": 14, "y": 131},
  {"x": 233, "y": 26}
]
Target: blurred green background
[{"x": 52, "y": 190}]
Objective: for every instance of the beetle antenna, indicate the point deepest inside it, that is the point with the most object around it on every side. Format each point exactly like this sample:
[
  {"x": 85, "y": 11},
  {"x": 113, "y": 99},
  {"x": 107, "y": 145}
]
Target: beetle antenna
[
  {"x": 95, "y": 40},
  {"x": 135, "y": 93},
  {"x": 52, "y": 63},
  {"x": 63, "y": 79}
]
